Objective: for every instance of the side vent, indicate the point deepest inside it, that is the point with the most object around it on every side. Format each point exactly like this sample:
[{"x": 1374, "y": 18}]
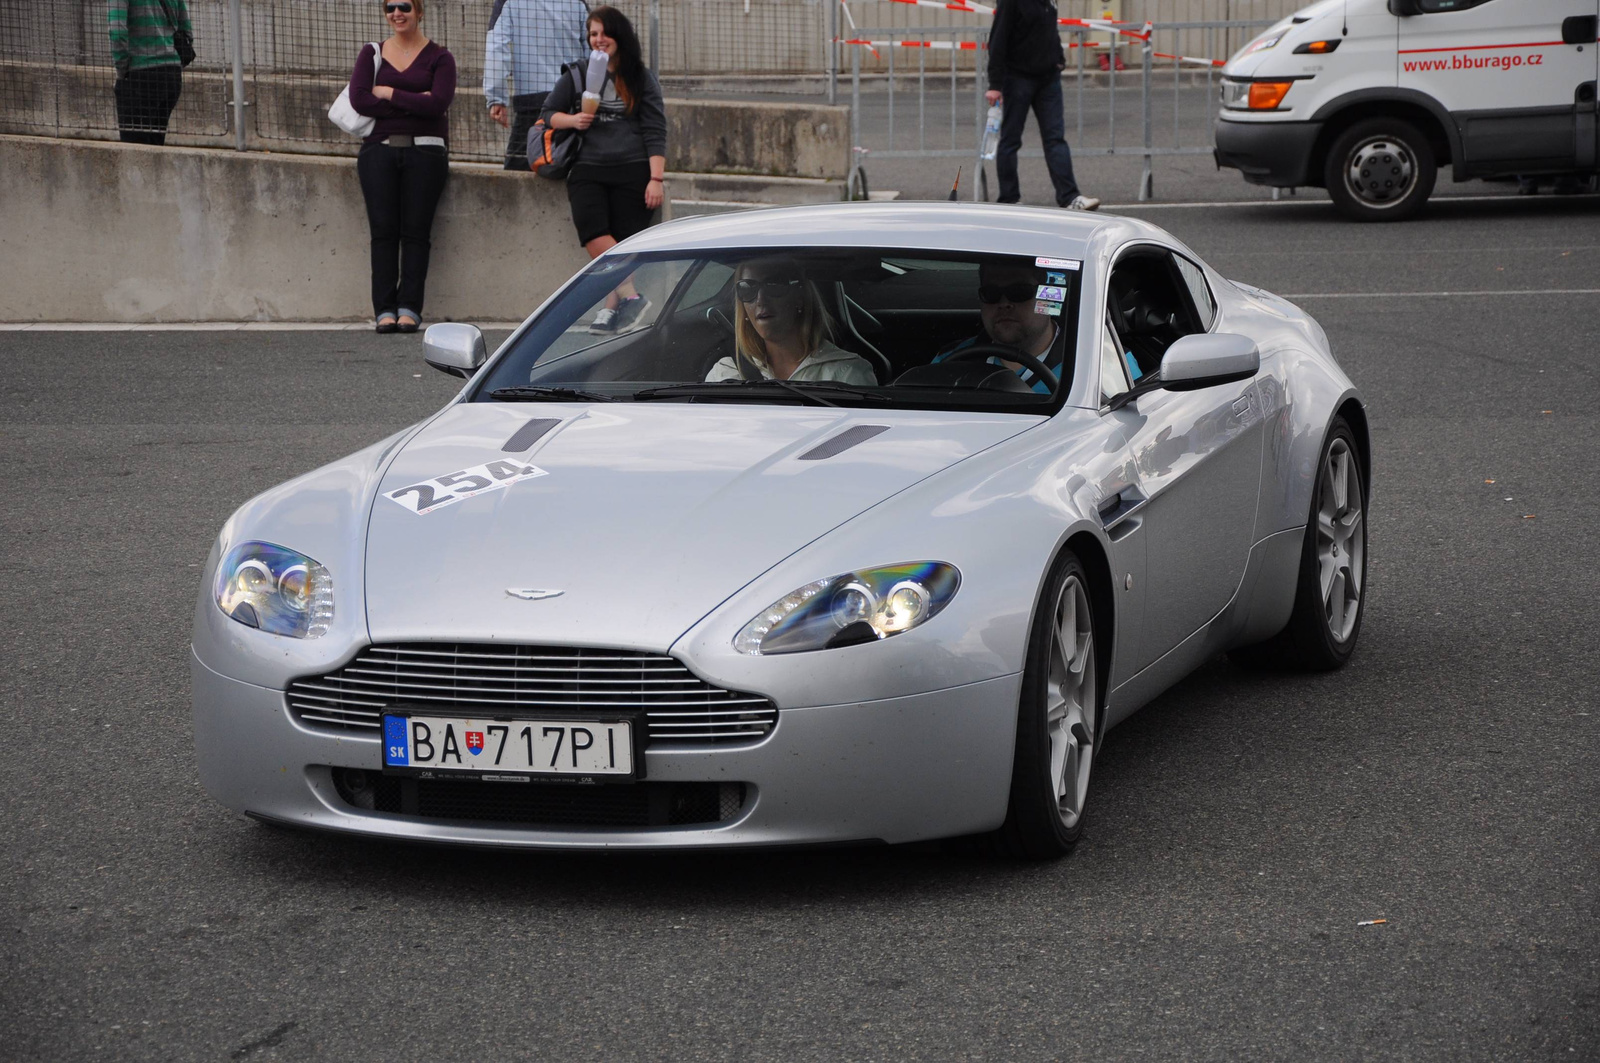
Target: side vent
[{"x": 843, "y": 441}]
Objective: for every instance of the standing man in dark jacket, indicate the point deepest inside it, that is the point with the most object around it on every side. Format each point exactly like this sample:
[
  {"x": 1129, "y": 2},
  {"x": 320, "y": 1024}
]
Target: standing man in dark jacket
[{"x": 1025, "y": 64}]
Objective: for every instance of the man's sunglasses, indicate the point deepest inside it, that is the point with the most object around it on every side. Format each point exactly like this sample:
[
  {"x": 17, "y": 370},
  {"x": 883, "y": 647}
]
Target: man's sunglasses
[
  {"x": 404, "y": 9},
  {"x": 1011, "y": 293},
  {"x": 749, "y": 290}
]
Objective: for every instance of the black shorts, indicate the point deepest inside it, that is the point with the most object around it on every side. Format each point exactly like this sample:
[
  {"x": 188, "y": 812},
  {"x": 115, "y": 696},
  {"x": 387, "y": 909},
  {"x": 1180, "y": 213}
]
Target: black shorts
[{"x": 609, "y": 200}]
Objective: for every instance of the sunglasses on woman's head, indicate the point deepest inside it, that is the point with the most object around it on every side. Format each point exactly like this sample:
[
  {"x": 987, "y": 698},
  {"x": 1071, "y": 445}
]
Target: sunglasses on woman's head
[
  {"x": 404, "y": 9},
  {"x": 748, "y": 290},
  {"x": 1011, "y": 293}
]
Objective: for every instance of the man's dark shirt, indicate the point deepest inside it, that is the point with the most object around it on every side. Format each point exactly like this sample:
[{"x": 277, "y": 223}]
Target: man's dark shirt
[{"x": 1024, "y": 40}]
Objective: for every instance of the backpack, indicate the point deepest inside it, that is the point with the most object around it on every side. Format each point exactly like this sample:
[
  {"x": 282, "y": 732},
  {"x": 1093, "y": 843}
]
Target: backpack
[{"x": 552, "y": 152}]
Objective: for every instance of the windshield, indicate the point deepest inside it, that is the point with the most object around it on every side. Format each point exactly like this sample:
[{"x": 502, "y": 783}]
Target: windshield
[{"x": 842, "y": 327}]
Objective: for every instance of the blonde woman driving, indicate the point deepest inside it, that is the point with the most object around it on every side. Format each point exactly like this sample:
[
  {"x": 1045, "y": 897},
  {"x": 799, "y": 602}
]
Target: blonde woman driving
[{"x": 781, "y": 330}]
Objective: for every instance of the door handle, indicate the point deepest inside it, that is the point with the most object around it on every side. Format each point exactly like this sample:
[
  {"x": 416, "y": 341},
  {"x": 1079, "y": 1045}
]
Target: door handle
[{"x": 1579, "y": 29}]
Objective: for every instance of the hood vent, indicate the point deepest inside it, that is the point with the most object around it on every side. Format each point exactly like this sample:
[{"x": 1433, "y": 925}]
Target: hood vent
[
  {"x": 529, "y": 434},
  {"x": 843, "y": 441}
]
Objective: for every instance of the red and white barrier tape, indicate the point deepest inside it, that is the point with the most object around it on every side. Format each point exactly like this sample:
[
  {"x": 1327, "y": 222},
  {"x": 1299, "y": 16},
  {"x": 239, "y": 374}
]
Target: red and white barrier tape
[{"x": 1100, "y": 25}]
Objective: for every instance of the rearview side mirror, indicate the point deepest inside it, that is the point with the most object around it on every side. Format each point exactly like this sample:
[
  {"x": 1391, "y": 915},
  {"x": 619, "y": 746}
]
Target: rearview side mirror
[
  {"x": 454, "y": 348},
  {"x": 1209, "y": 359},
  {"x": 1405, "y": 8}
]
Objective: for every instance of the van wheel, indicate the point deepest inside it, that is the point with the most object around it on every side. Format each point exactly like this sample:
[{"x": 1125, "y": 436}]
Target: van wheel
[{"x": 1380, "y": 169}]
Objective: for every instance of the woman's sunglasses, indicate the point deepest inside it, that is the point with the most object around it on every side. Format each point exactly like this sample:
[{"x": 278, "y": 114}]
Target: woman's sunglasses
[
  {"x": 749, "y": 290},
  {"x": 390, "y": 9},
  {"x": 1011, "y": 293}
]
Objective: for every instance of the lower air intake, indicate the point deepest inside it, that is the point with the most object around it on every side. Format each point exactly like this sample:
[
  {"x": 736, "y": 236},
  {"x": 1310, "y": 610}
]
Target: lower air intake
[{"x": 543, "y": 805}]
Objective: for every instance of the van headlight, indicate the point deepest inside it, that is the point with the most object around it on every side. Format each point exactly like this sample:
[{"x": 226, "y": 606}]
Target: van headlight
[
  {"x": 275, "y": 589},
  {"x": 863, "y": 606}
]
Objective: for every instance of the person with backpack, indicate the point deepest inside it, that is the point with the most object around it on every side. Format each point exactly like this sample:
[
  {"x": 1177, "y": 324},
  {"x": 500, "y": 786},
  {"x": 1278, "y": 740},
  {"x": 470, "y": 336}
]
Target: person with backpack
[
  {"x": 527, "y": 44},
  {"x": 151, "y": 42},
  {"x": 618, "y": 182}
]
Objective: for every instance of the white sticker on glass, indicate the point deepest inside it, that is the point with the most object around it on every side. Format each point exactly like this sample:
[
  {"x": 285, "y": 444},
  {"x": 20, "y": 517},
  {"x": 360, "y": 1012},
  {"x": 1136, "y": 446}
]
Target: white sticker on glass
[{"x": 1057, "y": 263}]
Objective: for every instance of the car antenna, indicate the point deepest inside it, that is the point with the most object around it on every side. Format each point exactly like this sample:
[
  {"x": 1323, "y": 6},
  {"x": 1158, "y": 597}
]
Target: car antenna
[
  {"x": 957, "y": 186},
  {"x": 1344, "y": 29}
]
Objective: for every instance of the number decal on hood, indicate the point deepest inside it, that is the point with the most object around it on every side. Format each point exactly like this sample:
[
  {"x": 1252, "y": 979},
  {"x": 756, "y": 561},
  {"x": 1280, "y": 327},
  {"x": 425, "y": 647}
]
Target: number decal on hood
[{"x": 441, "y": 491}]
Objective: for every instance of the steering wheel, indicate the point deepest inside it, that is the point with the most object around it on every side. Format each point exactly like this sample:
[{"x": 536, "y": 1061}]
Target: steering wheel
[{"x": 1009, "y": 354}]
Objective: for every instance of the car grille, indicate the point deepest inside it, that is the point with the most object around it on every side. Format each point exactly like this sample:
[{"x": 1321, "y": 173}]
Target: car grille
[
  {"x": 490, "y": 679},
  {"x": 552, "y": 805}
]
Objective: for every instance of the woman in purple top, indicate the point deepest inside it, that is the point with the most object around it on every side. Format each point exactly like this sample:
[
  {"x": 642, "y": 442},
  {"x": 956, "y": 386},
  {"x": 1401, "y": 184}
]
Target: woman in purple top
[{"x": 404, "y": 163}]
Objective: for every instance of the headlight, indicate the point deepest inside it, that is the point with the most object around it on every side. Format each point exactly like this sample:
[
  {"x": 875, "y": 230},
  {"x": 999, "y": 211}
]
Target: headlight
[
  {"x": 856, "y": 607},
  {"x": 277, "y": 590}
]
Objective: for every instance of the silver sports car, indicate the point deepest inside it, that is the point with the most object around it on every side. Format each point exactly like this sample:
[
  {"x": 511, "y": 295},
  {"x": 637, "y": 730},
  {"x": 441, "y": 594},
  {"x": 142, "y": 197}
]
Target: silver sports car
[{"x": 821, "y": 525}]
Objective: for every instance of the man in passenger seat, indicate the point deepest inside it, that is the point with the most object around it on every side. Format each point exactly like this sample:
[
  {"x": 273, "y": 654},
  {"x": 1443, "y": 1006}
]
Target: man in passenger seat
[{"x": 1008, "y": 300}]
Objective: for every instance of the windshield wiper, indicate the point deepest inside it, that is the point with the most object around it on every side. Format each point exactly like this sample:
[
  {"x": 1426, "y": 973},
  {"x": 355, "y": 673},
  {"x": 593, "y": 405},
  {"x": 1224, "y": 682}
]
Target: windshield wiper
[
  {"x": 717, "y": 388},
  {"x": 539, "y": 393}
]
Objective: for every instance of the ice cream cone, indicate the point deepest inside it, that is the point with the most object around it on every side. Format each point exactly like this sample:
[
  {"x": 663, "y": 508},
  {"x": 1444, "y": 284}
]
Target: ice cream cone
[{"x": 591, "y": 103}]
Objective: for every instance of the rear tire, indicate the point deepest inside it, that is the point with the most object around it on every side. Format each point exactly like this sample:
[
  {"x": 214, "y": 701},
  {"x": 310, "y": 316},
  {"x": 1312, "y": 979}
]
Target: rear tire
[
  {"x": 1380, "y": 169},
  {"x": 1330, "y": 592},
  {"x": 1058, "y": 722}
]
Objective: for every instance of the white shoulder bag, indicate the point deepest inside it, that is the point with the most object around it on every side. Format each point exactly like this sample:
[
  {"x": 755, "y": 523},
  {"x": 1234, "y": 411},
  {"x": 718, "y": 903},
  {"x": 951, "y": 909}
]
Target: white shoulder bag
[{"x": 343, "y": 115}]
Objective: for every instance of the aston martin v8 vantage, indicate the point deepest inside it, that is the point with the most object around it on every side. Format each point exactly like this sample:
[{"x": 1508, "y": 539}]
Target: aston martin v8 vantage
[{"x": 841, "y": 524}]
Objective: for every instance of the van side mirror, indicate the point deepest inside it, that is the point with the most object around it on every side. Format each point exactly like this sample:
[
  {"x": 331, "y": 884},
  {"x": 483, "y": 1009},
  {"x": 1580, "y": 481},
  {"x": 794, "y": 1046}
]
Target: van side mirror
[
  {"x": 1405, "y": 8},
  {"x": 454, "y": 348},
  {"x": 1208, "y": 359}
]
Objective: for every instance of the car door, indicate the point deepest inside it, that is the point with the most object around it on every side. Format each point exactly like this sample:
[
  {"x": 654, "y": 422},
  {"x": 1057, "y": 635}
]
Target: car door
[
  {"x": 1517, "y": 76},
  {"x": 1197, "y": 454}
]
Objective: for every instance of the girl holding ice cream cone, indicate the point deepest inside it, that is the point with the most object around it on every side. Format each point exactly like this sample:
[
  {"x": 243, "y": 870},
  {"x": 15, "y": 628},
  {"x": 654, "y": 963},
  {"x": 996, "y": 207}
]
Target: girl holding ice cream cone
[{"x": 618, "y": 182}]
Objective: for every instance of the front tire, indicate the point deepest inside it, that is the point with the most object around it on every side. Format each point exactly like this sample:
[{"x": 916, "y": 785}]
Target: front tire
[
  {"x": 1058, "y": 722},
  {"x": 1380, "y": 169}
]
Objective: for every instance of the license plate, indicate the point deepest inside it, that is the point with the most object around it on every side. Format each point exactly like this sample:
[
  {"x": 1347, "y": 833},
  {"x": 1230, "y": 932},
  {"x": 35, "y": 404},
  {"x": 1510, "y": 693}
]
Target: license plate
[{"x": 512, "y": 747}]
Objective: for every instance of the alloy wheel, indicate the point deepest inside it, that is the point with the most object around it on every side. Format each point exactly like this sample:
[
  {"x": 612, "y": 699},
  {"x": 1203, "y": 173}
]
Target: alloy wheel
[
  {"x": 1071, "y": 700},
  {"x": 1341, "y": 540}
]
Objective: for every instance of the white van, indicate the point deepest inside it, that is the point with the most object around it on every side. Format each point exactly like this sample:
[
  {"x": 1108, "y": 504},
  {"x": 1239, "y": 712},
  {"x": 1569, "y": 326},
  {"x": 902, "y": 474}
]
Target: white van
[{"x": 1368, "y": 98}]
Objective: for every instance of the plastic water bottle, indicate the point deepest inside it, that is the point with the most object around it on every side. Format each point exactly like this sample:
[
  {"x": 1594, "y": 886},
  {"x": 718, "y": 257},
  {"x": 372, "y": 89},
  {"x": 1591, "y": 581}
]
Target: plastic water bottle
[{"x": 991, "y": 132}]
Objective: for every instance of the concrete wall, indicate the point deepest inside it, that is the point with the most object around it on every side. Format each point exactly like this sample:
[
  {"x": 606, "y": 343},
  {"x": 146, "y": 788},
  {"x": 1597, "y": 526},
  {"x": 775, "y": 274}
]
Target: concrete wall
[
  {"x": 125, "y": 233},
  {"x": 799, "y": 138}
]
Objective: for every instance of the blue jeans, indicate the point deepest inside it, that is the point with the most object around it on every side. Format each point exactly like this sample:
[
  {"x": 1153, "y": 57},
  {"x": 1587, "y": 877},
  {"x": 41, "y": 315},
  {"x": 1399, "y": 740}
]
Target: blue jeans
[{"x": 1043, "y": 95}]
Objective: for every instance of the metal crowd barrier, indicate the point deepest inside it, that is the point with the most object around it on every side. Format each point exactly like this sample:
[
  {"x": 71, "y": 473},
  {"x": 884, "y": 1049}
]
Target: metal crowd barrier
[{"x": 938, "y": 75}]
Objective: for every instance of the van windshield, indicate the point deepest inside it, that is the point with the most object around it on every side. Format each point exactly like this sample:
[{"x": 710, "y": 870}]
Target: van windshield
[{"x": 846, "y": 327}]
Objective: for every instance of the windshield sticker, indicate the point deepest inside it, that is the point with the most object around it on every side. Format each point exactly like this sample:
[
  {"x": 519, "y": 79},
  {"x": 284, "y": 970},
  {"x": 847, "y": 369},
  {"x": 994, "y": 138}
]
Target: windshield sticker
[
  {"x": 1051, "y": 294},
  {"x": 1057, "y": 263},
  {"x": 1047, "y": 308},
  {"x": 441, "y": 491},
  {"x": 1059, "y": 279}
]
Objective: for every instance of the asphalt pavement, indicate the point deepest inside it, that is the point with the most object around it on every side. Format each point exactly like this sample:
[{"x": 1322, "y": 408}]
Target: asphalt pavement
[{"x": 1241, "y": 829}]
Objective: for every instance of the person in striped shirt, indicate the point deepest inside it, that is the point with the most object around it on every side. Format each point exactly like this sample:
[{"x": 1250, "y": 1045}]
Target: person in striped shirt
[{"x": 149, "y": 69}]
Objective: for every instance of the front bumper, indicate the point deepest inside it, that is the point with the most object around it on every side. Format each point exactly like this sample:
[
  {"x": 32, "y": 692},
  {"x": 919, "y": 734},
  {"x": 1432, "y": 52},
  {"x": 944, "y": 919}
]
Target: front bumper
[
  {"x": 904, "y": 769},
  {"x": 1269, "y": 153}
]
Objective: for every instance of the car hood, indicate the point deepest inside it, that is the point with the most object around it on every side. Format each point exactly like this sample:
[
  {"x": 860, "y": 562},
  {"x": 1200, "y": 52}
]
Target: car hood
[{"x": 647, "y": 516}]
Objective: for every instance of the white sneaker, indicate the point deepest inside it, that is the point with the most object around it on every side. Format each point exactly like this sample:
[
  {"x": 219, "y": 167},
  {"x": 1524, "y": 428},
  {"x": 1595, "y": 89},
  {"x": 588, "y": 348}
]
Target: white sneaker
[
  {"x": 1084, "y": 203},
  {"x": 604, "y": 321}
]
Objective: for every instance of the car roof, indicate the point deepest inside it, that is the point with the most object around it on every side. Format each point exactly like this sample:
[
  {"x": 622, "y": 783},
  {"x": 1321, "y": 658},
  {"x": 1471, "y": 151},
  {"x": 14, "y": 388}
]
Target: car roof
[{"x": 982, "y": 228}]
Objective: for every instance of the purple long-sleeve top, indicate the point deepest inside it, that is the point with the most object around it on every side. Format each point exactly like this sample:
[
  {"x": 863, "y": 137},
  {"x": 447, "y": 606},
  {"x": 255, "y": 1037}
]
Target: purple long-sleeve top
[{"x": 422, "y": 93}]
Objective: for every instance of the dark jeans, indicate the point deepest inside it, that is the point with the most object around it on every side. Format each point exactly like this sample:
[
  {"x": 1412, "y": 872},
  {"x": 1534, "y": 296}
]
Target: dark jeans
[
  {"x": 402, "y": 188},
  {"x": 524, "y": 112},
  {"x": 145, "y": 99},
  {"x": 1043, "y": 95}
]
